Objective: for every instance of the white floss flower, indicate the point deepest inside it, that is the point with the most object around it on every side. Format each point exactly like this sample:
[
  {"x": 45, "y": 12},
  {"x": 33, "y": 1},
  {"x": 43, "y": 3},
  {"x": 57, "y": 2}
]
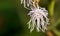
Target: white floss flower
[
  {"x": 38, "y": 19},
  {"x": 39, "y": 16}
]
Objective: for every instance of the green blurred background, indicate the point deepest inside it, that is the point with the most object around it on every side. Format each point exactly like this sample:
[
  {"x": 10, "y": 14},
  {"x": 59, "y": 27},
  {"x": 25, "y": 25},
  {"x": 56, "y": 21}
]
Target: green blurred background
[{"x": 14, "y": 18}]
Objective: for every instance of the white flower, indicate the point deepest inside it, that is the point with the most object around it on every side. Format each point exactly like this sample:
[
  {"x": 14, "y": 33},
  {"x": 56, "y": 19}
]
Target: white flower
[
  {"x": 39, "y": 19},
  {"x": 39, "y": 16}
]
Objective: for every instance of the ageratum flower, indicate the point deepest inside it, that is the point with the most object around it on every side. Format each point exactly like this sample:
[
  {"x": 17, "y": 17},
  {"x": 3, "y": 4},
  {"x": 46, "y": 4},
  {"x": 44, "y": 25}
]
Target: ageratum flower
[
  {"x": 39, "y": 19},
  {"x": 39, "y": 16}
]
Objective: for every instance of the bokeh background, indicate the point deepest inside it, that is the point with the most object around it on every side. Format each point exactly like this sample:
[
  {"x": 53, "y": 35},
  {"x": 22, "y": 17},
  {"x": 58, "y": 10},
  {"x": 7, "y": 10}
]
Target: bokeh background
[{"x": 14, "y": 18}]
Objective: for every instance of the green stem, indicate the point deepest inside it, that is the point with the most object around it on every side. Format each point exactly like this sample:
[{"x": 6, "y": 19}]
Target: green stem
[
  {"x": 51, "y": 13},
  {"x": 51, "y": 7}
]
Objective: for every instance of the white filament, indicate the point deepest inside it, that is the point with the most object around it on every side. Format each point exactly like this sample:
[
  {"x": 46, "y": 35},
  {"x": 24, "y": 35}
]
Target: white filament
[{"x": 26, "y": 3}]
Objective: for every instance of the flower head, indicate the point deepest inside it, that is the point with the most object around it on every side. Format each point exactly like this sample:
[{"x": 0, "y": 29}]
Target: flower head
[
  {"x": 39, "y": 16},
  {"x": 38, "y": 19}
]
